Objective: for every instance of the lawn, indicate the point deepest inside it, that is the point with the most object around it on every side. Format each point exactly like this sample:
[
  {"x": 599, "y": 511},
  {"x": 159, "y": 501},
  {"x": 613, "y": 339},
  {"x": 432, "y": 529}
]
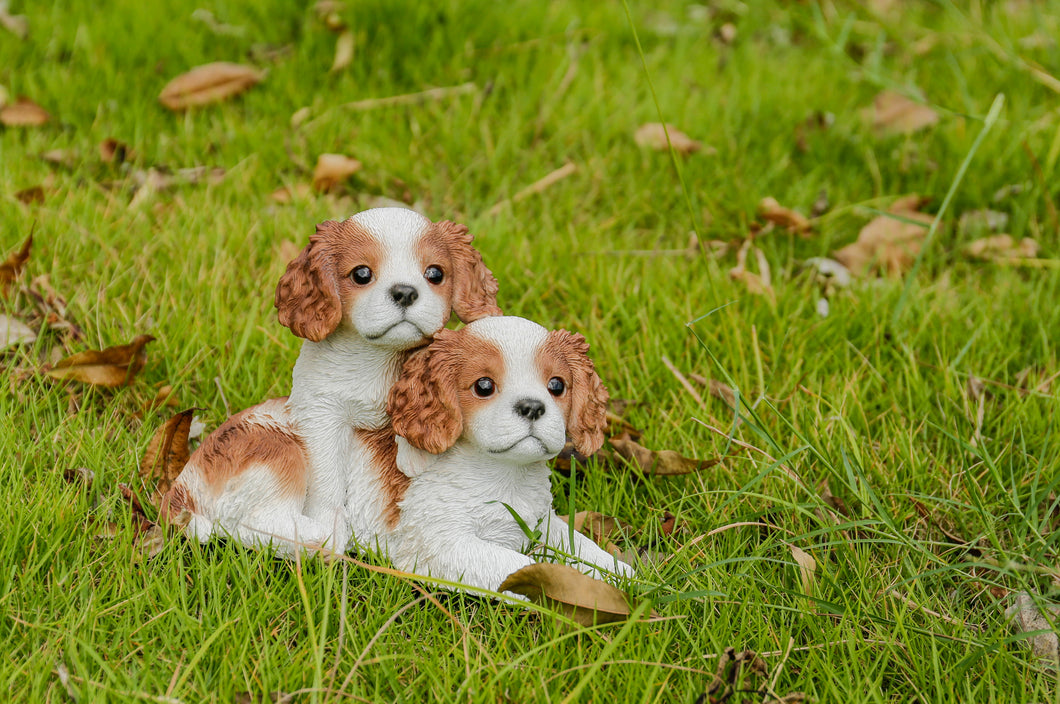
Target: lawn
[{"x": 904, "y": 443}]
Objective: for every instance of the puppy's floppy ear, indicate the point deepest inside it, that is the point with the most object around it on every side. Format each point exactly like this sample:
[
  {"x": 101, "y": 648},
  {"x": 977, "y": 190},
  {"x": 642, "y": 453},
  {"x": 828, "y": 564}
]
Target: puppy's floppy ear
[
  {"x": 423, "y": 404},
  {"x": 588, "y": 414},
  {"x": 307, "y": 296},
  {"x": 474, "y": 286}
]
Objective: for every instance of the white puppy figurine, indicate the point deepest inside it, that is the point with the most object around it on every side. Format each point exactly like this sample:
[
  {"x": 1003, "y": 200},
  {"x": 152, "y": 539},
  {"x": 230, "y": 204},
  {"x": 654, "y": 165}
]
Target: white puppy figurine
[
  {"x": 298, "y": 472},
  {"x": 478, "y": 414}
]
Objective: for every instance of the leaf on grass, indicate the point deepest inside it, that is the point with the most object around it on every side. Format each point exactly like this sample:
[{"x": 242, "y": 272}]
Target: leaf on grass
[
  {"x": 23, "y": 113},
  {"x": 114, "y": 366},
  {"x": 1026, "y": 617},
  {"x": 731, "y": 669},
  {"x": 149, "y": 543},
  {"x": 791, "y": 220},
  {"x": 566, "y": 456},
  {"x": 976, "y": 222},
  {"x": 16, "y": 24},
  {"x": 12, "y": 267},
  {"x": 889, "y": 242},
  {"x": 722, "y": 391},
  {"x": 598, "y": 527},
  {"x": 343, "y": 51},
  {"x": 1001, "y": 247},
  {"x": 759, "y": 284},
  {"x": 111, "y": 151},
  {"x": 30, "y": 196},
  {"x": 893, "y": 113},
  {"x": 83, "y": 475},
  {"x": 167, "y": 453},
  {"x": 66, "y": 158},
  {"x": 15, "y": 332},
  {"x": 288, "y": 194},
  {"x": 207, "y": 84},
  {"x": 807, "y": 568},
  {"x": 657, "y": 463},
  {"x": 652, "y": 135},
  {"x": 333, "y": 169},
  {"x": 585, "y": 600}
]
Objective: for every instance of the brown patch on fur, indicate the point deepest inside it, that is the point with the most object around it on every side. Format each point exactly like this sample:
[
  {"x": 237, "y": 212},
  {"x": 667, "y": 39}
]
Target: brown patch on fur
[
  {"x": 253, "y": 436},
  {"x": 383, "y": 449},
  {"x": 474, "y": 292},
  {"x": 428, "y": 402},
  {"x": 566, "y": 355},
  {"x": 316, "y": 288},
  {"x": 177, "y": 499}
]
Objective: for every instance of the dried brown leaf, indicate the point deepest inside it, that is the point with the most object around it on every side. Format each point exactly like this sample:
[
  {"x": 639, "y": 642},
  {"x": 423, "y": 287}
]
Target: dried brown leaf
[
  {"x": 167, "y": 453},
  {"x": 12, "y": 267},
  {"x": 1026, "y": 617},
  {"x": 149, "y": 544},
  {"x": 652, "y": 135},
  {"x": 600, "y": 528},
  {"x": 657, "y": 463},
  {"x": 15, "y": 332},
  {"x": 79, "y": 474},
  {"x": 807, "y": 568},
  {"x": 23, "y": 113},
  {"x": 894, "y": 113},
  {"x": 722, "y": 391},
  {"x": 66, "y": 158},
  {"x": 111, "y": 151},
  {"x": 114, "y": 366},
  {"x": 585, "y": 600},
  {"x": 16, "y": 24},
  {"x": 289, "y": 194},
  {"x": 566, "y": 456},
  {"x": 774, "y": 212},
  {"x": 343, "y": 51},
  {"x": 333, "y": 169},
  {"x": 207, "y": 84},
  {"x": 887, "y": 243},
  {"x": 1001, "y": 247},
  {"x": 30, "y": 196}
]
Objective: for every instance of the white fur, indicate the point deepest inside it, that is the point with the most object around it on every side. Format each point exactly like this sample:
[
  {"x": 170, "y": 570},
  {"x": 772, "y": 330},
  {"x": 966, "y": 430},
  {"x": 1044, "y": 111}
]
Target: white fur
[
  {"x": 339, "y": 384},
  {"x": 454, "y": 525}
]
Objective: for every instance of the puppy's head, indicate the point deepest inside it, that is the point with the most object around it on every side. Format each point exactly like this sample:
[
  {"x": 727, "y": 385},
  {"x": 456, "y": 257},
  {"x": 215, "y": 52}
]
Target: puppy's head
[
  {"x": 390, "y": 274},
  {"x": 506, "y": 385}
]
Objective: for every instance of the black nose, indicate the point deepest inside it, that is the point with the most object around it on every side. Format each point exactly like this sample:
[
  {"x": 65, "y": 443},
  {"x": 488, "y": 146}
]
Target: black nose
[
  {"x": 404, "y": 295},
  {"x": 530, "y": 408}
]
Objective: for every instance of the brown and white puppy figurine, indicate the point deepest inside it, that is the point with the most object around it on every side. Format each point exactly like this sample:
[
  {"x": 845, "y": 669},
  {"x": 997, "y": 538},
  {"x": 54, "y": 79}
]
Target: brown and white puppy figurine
[
  {"x": 478, "y": 414},
  {"x": 300, "y": 472}
]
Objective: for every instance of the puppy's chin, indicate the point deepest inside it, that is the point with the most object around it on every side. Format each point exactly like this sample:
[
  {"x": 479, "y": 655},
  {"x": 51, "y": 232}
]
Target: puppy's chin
[
  {"x": 402, "y": 335},
  {"x": 524, "y": 451}
]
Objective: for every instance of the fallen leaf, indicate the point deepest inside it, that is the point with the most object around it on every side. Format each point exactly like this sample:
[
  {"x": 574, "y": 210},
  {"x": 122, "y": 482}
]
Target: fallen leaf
[
  {"x": 894, "y": 113},
  {"x": 114, "y": 366},
  {"x": 23, "y": 113},
  {"x": 662, "y": 463},
  {"x": 333, "y": 169},
  {"x": 731, "y": 670},
  {"x": 666, "y": 527},
  {"x": 595, "y": 525},
  {"x": 888, "y": 242},
  {"x": 12, "y": 267},
  {"x": 79, "y": 474},
  {"x": 66, "y": 158},
  {"x": 16, "y": 24},
  {"x": 149, "y": 543},
  {"x": 140, "y": 521},
  {"x": 774, "y": 212},
  {"x": 722, "y": 391},
  {"x": 111, "y": 151},
  {"x": 760, "y": 283},
  {"x": 217, "y": 26},
  {"x": 207, "y": 84},
  {"x": 807, "y": 568},
  {"x": 1001, "y": 247},
  {"x": 585, "y": 600},
  {"x": 343, "y": 51},
  {"x": 1026, "y": 617},
  {"x": 976, "y": 222},
  {"x": 14, "y": 332},
  {"x": 727, "y": 33},
  {"x": 288, "y": 194},
  {"x": 829, "y": 272},
  {"x": 652, "y": 135},
  {"x": 167, "y": 453},
  {"x": 31, "y": 195}
]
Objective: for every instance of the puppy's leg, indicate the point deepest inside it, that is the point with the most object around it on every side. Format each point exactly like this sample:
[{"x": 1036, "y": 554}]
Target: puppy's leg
[
  {"x": 466, "y": 559},
  {"x": 594, "y": 558},
  {"x": 286, "y": 534}
]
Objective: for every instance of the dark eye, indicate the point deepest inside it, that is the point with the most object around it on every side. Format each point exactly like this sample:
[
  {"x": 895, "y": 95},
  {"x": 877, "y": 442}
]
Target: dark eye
[
  {"x": 556, "y": 387},
  {"x": 434, "y": 275},
  {"x": 361, "y": 275},
  {"x": 484, "y": 387}
]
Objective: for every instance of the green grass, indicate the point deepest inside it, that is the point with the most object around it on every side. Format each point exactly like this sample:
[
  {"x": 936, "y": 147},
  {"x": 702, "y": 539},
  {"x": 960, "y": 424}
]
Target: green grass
[{"x": 869, "y": 401}]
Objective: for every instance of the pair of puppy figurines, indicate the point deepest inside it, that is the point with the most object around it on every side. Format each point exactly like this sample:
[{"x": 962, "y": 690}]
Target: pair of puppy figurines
[{"x": 421, "y": 450}]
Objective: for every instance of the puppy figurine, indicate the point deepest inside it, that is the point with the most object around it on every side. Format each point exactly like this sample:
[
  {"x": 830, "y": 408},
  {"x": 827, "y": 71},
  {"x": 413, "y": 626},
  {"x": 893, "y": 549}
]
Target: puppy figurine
[
  {"x": 297, "y": 472},
  {"x": 478, "y": 414}
]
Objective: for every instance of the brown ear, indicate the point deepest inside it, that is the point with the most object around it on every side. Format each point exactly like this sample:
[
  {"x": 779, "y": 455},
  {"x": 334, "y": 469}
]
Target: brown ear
[
  {"x": 307, "y": 296},
  {"x": 588, "y": 413},
  {"x": 474, "y": 286},
  {"x": 423, "y": 404}
]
